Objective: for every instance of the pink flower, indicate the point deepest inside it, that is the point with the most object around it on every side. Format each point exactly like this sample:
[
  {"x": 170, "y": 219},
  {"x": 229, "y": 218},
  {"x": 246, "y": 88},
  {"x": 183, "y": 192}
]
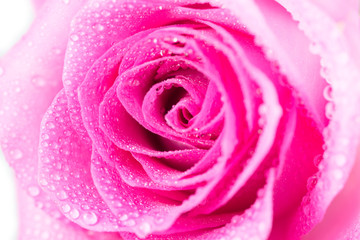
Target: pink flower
[{"x": 184, "y": 119}]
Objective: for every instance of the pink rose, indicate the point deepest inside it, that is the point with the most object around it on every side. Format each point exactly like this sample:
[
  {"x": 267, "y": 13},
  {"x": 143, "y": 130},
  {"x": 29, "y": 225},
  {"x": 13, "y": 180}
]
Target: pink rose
[{"x": 185, "y": 119}]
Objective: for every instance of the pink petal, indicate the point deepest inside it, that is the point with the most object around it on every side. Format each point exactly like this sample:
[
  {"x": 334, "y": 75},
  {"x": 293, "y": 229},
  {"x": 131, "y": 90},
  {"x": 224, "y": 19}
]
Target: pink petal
[
  {"x": 32, "y": 68},
  {"x": 254, "y": 223},
  {"x": 340, "y": 140},
  {"x": 272, "y": 26},
  {"x": 64, "y": 170},
  {"x": 35, "y": 224},
  {"x": 38, "y": 4},
  {"x": 342, "y": 218},
  {"x": 296, "y": 169}
]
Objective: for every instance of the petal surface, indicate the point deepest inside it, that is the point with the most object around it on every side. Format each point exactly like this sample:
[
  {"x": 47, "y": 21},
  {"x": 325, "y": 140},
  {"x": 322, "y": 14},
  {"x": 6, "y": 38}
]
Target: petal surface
[{"x": 32, "y": 68}]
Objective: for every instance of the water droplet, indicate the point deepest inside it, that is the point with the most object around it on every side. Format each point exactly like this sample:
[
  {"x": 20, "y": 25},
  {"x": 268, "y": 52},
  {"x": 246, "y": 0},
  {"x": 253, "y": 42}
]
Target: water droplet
[
  {"x": 1, "y": 71},
  {"x": 159, "y": 220},
  {"x": 124, "y": 217},
  {"x": 34, "y": 191},
  {"x": 62, "y": 195},
  {"x": 90, "y": 218},
  {"x": 328, "y": 93},
  {"x": 324, "y": 72},
  {"x": 329, "y": 110},
  {"x": 74, "y": 214},
  {"x": 130, "y": 223},
  {"x": 105, "y": 13},
  {"x": 98, "y": 27},
  {"x": 262, "y": 109},
  {"x": 66, "y": 1},
  {"x": 135, "y": 82},
  {"x": 311, "y": 182},
  {"x": 67, "y": 133},
  {"x": 85, "y": 207},
  {"x": 43, "y": 182},
  {"x": 307, "y": 210},
  {"x": 16, "y": 154},
  {"x": 66, "y": 208},
  {"x": 74, "y": 37},
  {"x": 145, "y": 228},
  {"x": 50, "y": 125},
  {"x": 317, "y": 160}
]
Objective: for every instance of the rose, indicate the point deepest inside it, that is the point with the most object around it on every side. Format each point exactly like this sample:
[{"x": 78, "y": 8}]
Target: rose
[
  {"x": 235, "y": 72},
  {"x": 62, "y": 199}
]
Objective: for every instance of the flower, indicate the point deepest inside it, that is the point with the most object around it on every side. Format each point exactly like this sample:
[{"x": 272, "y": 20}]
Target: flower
[{"x": 181, "y": 119}]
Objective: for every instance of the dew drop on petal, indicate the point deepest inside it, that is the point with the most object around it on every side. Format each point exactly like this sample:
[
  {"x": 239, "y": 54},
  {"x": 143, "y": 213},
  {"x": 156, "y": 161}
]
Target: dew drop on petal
[
  {"x": 124, "y": 217},
  {"x": 130, "y": 223},
  {"x": 159, "y": 220},
  {"x": 66, "y": 1},
  {"x": 98, "y": 27},
  {"x": 105, "y": 13},
  {"x": 16, "y": 154},
  {"x": 74, "y": 214},
  {"x": 90, "y": 218},
  {"x": 66, "y": 208},
  {"x": 62, "y": 195},
  {"x": 74, "y": 37},
  {"x": 145, "y": 228},
  {"x": 328, "y": 93},
  {"x": 34, "y": 191},
  {"x": 311, "y": 183},
  {"x": 329, "y": 110},
  {"x": 317, "y": 160}
]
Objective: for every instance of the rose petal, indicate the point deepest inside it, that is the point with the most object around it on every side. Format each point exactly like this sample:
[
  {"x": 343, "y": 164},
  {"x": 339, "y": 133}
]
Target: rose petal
[
  {"x": 32, "y": 68},
  {"x": 98, "y": 34},
  {"x": 344, "y": 207},
  {"x": 64, "y": 170},
  {"x": 38, "y": 4},
  {"x": 271, "y": 25},
  {"x": 296, "y": 169},
  {"x": 35, "y": 224},
  {"x": 135, "y": 207},
  {"x": 254, "y": 223},
  {"x": 341, "y": 141}
]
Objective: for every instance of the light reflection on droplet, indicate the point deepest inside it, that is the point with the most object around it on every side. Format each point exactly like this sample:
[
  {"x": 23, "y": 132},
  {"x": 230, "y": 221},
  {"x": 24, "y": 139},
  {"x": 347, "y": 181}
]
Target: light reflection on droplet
[{"x": 90, "y": 218}]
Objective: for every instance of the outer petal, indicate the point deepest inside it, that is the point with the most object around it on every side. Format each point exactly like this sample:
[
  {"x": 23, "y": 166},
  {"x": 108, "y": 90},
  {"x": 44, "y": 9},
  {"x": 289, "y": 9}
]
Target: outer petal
[
  {"x": 341, "y": 140},
  {"x": 36, "y": 224},
  {"x": 345, "y": 206},
  {"x": 32, "y": 68},
  {"x": 272, "y": 26},
  {"x": 64, "y": 170}
]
